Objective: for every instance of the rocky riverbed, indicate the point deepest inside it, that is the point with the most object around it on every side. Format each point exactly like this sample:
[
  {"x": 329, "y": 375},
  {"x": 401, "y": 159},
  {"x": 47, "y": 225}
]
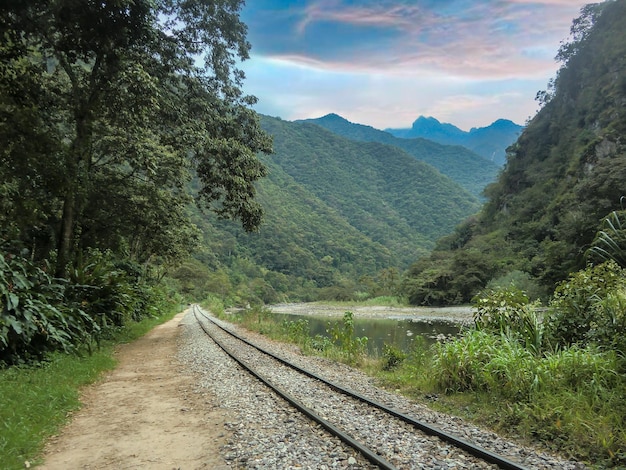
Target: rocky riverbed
[{"x": 461, "y": 315}]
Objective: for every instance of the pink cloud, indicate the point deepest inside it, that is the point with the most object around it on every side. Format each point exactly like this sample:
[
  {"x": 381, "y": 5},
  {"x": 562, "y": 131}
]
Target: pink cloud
[
  {"x": 397, "y": 16},
  {"x": 485, "y": 39}
]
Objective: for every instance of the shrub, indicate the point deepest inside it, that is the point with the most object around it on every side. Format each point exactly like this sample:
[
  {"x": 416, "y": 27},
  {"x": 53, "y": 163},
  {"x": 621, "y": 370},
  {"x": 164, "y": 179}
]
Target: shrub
[
  {"x": 459, "y": 363},
  {"x": 519, "y": 280},
  {"x": 34, "y": 318},
  {"x": 296, "y": 331},
  {"x": 41, "y": 314},
  {"x": 392, "y": 357},
  {"x": 587, "y": 306},
  {"x": 509, "y": 312},
  {"x": 342, "y": 334}
]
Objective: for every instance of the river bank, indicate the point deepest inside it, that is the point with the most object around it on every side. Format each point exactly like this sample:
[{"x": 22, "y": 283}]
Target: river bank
[{"x": 458, "y": 314}]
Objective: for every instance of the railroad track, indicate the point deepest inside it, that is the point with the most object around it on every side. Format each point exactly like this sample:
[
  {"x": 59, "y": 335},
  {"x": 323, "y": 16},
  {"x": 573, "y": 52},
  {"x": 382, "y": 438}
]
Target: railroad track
[{"x": 322, "y": 397}]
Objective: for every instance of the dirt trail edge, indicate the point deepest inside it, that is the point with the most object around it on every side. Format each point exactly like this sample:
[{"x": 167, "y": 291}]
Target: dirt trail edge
[{"x": 144, "y": 414}]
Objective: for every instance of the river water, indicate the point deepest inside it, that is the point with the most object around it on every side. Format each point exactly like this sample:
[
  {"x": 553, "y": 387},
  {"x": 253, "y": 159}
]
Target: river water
[{"x": 401, "y": 334}]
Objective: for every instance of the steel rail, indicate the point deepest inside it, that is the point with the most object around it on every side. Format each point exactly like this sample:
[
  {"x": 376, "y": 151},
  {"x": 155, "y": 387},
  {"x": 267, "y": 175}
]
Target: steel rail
[
  {"x": 456, "y": 441},
  {"x": 363, "y": 450}
]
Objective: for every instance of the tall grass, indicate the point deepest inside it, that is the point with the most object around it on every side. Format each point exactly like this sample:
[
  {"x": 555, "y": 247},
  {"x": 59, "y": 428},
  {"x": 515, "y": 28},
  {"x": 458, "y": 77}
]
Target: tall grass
[{"x": 339, "y": 344}]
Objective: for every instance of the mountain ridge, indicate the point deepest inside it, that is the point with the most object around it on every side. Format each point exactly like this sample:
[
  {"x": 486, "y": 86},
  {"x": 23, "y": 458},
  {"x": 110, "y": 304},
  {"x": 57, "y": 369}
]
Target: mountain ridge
[
  {"x": 490, "y": 141},
  {"x": 335, "y": 210},
  {"x": 465, "y": 167}
]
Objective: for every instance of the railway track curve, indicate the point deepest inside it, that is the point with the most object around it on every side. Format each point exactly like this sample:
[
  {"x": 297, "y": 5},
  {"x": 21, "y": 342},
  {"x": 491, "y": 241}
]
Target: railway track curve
[{"x": 419, "y": 436}]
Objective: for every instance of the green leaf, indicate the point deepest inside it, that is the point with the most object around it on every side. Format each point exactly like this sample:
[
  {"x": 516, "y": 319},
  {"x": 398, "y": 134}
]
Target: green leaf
[{"x": 13, "y": 301}]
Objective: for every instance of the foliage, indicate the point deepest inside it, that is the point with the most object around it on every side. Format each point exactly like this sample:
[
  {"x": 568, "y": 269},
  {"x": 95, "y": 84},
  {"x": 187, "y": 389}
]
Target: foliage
[
  {"x": 392, "y": 357},
  {"x": 342, "y": 335},
  {"x": 610, "y": 241},
  {"x": 297, "y": 331},
  {"x": 35, "y": 319},
  {"x": 509, "y": 313},
  {"x": 448, "y": 278},
  {"x": 562, "y": 176},
  {"x": 105, "y": 112},
  {"x": 588, "y": 307},
  {"x": 519, "y": 280},
  {"x": 41, "y": 314},
  {"x": 480, "y": 361},
  {"x": 569, "y": 399}
]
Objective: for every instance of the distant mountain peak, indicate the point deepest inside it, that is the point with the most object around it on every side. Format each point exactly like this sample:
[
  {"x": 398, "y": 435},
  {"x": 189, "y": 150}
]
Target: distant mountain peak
[
  {"x": 424, "y": 124},
  {"x": 422, "y": 119},
  {"x": 490, "y": 142},
  {"x": 334, "y": 117}
]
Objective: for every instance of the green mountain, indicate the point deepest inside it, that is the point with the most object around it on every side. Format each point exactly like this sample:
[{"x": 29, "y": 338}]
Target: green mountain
[
  {"x": 564, "y": 175},
  {"x": 335, "y": 210},
  {"x": 468, "y": 169},
  {"x": 490, "y": 142}
]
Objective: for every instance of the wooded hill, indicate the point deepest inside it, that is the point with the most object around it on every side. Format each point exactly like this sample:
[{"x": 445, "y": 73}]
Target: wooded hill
[
  {"x": 468, "y": 169},
  {"x": 335, "y": 210},
  {"x": 563, "y": 176}
]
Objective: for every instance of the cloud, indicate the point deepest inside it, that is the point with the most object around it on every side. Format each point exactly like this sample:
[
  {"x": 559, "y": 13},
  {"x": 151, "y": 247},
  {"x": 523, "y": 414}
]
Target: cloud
[
  {"x": 385, "y": 62},
  {"x": 488, "y": 39},
  {"x": 297, "y": 92}
]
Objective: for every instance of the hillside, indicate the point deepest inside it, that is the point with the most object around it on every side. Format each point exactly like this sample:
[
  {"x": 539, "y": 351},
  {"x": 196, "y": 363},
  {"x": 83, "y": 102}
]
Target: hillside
[
  {"x": 468, "y": 169},
  {"x": 489, "y": 142},
  {"x": 379, "y": 189},
  {"x": 563, "y": 176},
  {"x": 335, "y": 210}
]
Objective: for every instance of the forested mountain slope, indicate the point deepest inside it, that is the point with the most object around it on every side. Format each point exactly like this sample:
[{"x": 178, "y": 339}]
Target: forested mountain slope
[
  {"x": 565, "y": 173},
  {"x": 490, "y": 142},
  {"x": 335, "y": 210},
  {"x": 385, "y": 193},
  {"x": 468, "y": 169}
]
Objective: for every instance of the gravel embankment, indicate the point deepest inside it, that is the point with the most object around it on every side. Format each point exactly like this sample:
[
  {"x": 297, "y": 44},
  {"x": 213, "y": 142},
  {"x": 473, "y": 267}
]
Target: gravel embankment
[{"x": 268, "y": 434}]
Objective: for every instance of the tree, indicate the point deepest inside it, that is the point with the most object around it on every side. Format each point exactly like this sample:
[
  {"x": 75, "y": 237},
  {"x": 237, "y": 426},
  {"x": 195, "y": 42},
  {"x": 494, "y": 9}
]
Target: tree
[{"x": 106, "y": 109}]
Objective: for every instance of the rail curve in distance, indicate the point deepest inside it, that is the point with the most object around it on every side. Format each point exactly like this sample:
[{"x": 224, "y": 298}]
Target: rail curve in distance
[{"x": 311, "y": 403}]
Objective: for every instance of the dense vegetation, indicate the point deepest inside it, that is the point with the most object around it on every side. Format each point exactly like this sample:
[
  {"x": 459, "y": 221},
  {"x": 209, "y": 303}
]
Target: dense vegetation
[
  {"x": 468, "y": 169},
  {"x": 563, "y": 177},
  {"x": 556, "y": 377},
  {"x": 342, "y": 220},
  {"x": 106, "y": 112}
]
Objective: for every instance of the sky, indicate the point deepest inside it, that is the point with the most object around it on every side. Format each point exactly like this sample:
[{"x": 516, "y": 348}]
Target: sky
[{"x": 384, "y": 63}]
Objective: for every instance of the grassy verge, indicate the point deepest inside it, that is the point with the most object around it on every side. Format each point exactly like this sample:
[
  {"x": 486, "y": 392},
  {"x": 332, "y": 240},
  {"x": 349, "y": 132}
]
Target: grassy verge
[
  {"x": 36, "y": 401},
  {"x": 340, "y": 344},
  {"x": 569, "y": 401}
]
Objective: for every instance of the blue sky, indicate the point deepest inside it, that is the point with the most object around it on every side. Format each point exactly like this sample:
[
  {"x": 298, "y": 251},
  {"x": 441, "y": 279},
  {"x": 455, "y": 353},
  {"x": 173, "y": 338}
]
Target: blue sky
[{"x": 386, "y": 62}]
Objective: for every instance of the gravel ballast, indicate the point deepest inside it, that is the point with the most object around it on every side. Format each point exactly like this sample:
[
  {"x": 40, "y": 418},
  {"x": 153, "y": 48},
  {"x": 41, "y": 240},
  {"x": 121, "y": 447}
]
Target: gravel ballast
[{"x": 266, "y": 433}]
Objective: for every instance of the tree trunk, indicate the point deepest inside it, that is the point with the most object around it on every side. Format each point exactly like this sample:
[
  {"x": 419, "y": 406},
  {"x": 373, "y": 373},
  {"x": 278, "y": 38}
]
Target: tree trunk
[{"x": 66, "y": 235}]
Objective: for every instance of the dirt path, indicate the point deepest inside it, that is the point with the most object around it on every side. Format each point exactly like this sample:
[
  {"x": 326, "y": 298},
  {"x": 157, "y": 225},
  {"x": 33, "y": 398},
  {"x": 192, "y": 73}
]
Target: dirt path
[{"x": 143, "y": 415}]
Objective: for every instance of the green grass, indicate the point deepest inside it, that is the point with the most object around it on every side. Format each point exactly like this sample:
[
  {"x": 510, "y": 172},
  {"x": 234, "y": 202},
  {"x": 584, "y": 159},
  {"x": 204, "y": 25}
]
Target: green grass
[
  {"x": 569, "y": 401},
  {"x": 36, "y": 401}
]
